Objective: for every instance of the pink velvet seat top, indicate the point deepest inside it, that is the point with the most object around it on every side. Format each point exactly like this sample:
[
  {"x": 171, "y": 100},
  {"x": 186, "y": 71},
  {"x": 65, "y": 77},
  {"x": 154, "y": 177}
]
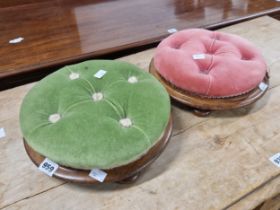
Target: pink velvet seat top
[{"x": 213, "y": 64}]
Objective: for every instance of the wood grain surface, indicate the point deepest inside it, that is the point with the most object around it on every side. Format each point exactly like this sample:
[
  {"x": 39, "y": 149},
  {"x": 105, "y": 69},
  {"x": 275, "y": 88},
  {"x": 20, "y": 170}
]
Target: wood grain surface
[
  {"x": 270, "y": 204},
  {"x": 213, "y": 163},
  {"x": 58, "y": 32}
]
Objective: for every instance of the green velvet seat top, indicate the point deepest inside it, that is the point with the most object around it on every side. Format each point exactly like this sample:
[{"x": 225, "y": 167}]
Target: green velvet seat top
[{"x": 85, "y": 122}]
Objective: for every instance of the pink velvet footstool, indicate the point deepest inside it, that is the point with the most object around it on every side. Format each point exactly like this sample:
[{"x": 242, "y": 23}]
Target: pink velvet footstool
[{"x": 210, "y": 70}]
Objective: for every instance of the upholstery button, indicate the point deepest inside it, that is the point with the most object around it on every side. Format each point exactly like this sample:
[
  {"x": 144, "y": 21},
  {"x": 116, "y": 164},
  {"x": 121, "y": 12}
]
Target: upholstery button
[
  {"x": 125, "y": 122},
  {"x": 132, "y": 79},
  {"x": 54, "y": 118},
  {"x": 245, "y": 58},
  {"x": 97, "y": 96},
  {"x": 203, "y": 71},
  {"x": 74, "y": 75}
]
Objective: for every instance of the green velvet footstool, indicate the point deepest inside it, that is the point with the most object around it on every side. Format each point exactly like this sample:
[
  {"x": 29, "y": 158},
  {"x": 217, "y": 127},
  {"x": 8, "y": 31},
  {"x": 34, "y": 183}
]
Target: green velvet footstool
[{"x": 96, "y": 121}]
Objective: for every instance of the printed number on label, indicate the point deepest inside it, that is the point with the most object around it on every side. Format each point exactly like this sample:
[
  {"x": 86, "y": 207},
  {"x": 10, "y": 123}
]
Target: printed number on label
[
  {"x": 48, "y": 167},
  {"x": 275, "y": 159}
]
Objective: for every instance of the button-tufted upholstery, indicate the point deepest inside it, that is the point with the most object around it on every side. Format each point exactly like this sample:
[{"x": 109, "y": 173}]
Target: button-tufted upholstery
[
  {"x": 85, "y": 122},
  {"x": 213, "y": 64}
]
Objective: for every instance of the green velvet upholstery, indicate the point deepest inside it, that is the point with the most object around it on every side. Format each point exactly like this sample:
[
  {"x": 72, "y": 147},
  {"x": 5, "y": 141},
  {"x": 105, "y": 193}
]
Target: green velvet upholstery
[{"x": 84, "y": 122}]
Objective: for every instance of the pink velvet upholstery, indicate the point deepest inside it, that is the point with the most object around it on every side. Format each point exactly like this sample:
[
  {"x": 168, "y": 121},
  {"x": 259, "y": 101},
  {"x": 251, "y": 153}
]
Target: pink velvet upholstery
[{"x": 232, "y": 65}]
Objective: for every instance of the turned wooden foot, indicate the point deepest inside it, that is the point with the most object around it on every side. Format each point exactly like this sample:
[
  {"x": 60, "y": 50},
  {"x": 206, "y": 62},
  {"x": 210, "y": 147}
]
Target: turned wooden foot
[
  {"x": 201, "y": 113},
  {"x": 130, "y": 179}
]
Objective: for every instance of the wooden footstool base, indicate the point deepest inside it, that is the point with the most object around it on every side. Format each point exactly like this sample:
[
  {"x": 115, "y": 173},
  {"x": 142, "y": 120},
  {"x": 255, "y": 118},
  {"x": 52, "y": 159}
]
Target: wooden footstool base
[
  {"x": 201, "y": 105},
  {"x": 123, "y": 174}
]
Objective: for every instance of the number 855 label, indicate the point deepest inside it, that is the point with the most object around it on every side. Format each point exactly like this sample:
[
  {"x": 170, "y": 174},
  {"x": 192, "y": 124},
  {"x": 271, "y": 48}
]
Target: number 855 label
[{"x": 48, "y": 167}]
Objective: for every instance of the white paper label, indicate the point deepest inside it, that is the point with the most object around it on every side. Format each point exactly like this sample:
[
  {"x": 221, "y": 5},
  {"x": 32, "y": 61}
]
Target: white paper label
[
  {"x": 48, "y": 167},
  {"x": 98, "y": 174},
  {"x": 2, "y": 133},
  {"x": 263, "y": 86},
  {"x": 172, "y": 30},
  {"x": 198, "y": 56},
  {"x": 275, "y": 159},
  {"x": 100, "y": 73},
  {"x": 16, "y": 40}
]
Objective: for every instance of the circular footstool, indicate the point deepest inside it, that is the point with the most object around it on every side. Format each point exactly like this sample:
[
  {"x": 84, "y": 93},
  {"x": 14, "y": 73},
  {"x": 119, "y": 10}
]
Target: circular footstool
[
  {"x": 210, "y": 70},
  {"x": 101, "y": 115}
]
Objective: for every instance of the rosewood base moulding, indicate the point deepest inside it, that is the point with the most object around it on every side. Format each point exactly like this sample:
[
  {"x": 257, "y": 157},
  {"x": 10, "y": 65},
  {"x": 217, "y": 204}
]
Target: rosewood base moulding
[
  {"x": 201, "y": 105},
  {"x": 124, "y": 174}
]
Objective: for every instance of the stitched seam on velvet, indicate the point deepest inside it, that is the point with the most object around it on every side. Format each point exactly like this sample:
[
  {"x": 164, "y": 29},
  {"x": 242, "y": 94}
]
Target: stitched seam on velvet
[
  {"x": 225, "y": 52},
  {"x": 111, "y": 84},
  {"x": 145, "y": 80},
  {"x": 90, "y": 85},
  {"x": 39, "y": 126},
  {"x": 87, "y": 81},
  {"x": 126, "y": 108},
  {"x": 76, "y": 104},
  {"x": 69, "y": 70},
  {"x": 115, "y": 108},
  {"x": 213, "y": 42},
  {"x": 87, "y": 88},
  {"x": 209, "y": 76},
  {"x": 212, "y": 57},
  {"x": 209, "y": 84},
  {"x": 210, "y": 65},
  {"x": 144, "y": 133}
]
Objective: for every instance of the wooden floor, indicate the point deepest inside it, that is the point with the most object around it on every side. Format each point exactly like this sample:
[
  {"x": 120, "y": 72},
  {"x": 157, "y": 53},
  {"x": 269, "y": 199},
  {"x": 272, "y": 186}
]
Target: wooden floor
[
  {"x": 214, "y": 163},
  {"x": 56, "y": 32}
]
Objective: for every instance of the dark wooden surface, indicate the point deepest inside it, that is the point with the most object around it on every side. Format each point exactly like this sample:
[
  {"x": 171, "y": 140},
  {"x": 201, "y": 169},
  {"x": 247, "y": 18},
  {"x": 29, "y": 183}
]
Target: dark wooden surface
[
  {"x": 202, "y": 105},
  {"x": 270, "y": 204},
  {"x": 58, "y": 32},
  {"x": 122, "y": 174}
]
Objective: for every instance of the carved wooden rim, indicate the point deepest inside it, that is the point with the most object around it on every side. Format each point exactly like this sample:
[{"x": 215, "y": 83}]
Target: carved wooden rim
[
  {"x": 205, "y": 103},
  {"x": 113, "y": 175}
]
